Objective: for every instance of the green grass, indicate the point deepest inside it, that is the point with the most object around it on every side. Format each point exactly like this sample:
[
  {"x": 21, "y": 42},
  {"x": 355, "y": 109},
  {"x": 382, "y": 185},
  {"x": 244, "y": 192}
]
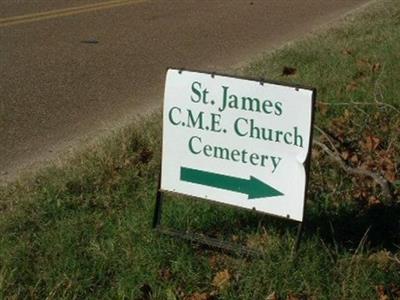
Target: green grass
[{"x": 83, "y": 231}]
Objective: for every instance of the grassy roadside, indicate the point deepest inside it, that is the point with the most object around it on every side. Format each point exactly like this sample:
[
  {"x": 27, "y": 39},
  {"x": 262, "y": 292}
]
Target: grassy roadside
[{"x": 83, "y": 231}]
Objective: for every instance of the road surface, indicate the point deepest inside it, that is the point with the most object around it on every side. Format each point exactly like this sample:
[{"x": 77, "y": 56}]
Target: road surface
[{"x": 71, "y": 70}]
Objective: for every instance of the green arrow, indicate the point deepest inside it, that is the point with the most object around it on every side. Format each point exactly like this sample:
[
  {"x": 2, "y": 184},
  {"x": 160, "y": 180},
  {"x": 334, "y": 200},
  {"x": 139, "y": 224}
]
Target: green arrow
[{"x": 253, "y": 187}]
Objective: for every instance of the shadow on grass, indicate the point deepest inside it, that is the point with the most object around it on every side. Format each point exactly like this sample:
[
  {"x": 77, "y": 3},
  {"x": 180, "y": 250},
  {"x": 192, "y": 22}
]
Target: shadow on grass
[
  {"x": 344, "y": 229},
  {"x": 380, "y": 223}
]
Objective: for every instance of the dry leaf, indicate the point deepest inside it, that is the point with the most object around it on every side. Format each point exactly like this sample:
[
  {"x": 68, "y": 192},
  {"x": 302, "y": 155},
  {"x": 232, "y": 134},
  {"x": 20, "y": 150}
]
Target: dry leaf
[
  {"x": 347, "y": 114},
  {"x": 388, "y": 167},
  {"x": 165, "y": 274},
  {"x": 381, "y": 258},
  {"x": 352, "y": 86},
  {"x": 390, "y": 175},
  {"x": 359, "y": 75},
  {"x": 235, "y": 238},
  {"x": 145, "y": 155},
  {"x": 322, "y": 108},
  {"x": 316, "y": 153},
  {"x": 372, "y": 200},
  {"x": 288, "y": 71},
  {"x": 296, "y": 297},
  {"x": 347, "y": 51},
  {"x": 272, "y": 296},
  {"x": 357, "y": 194},
  {"x": 354, "y": 159},
  {"x": 221, "y": 279},
  {"x": 369, "y": 164},
  {"x": 213, "y": 261},
  {"x": 371, "y": 143},
  {"x": 345, "y": 154},
  {"x": 382, "y": 293},
  {"x": 257, "y": 241},
  {"x": 376, "y": 67}
]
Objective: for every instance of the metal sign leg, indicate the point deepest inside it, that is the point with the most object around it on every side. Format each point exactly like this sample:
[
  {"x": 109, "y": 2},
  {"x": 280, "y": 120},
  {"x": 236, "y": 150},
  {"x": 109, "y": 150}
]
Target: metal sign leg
[
  {"x": 158, "y": 210},
  {"x": 298, "y": 239}
]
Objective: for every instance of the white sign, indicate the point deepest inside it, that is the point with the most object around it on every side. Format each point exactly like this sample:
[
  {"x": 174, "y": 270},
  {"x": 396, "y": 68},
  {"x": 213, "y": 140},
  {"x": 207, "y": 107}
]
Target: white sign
[{"x": 236, "y": 141}]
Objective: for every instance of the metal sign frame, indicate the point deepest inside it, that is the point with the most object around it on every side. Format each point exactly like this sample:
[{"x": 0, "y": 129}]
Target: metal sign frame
[{"x": 224, "y": 245}]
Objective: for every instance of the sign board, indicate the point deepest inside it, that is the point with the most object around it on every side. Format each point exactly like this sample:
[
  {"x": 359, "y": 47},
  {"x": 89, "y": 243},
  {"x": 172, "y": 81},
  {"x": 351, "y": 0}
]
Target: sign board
[{"x": 237, "y": 141}]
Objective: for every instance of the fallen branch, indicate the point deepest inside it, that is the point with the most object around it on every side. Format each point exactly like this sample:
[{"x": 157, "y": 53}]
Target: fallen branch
[
  {"x": 356, "y": 103},
  {"x": 335, "y": 156},
  {"x": 376, "y": 102}
]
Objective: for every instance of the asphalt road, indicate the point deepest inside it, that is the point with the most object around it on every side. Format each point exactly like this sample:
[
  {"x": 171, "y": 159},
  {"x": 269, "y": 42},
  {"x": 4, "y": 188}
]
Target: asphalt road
[{"x": 74, "y": 69}]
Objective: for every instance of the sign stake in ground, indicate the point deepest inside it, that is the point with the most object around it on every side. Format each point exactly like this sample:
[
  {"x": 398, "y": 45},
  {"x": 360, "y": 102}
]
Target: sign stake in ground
[{"x": 236, "y": 141}]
